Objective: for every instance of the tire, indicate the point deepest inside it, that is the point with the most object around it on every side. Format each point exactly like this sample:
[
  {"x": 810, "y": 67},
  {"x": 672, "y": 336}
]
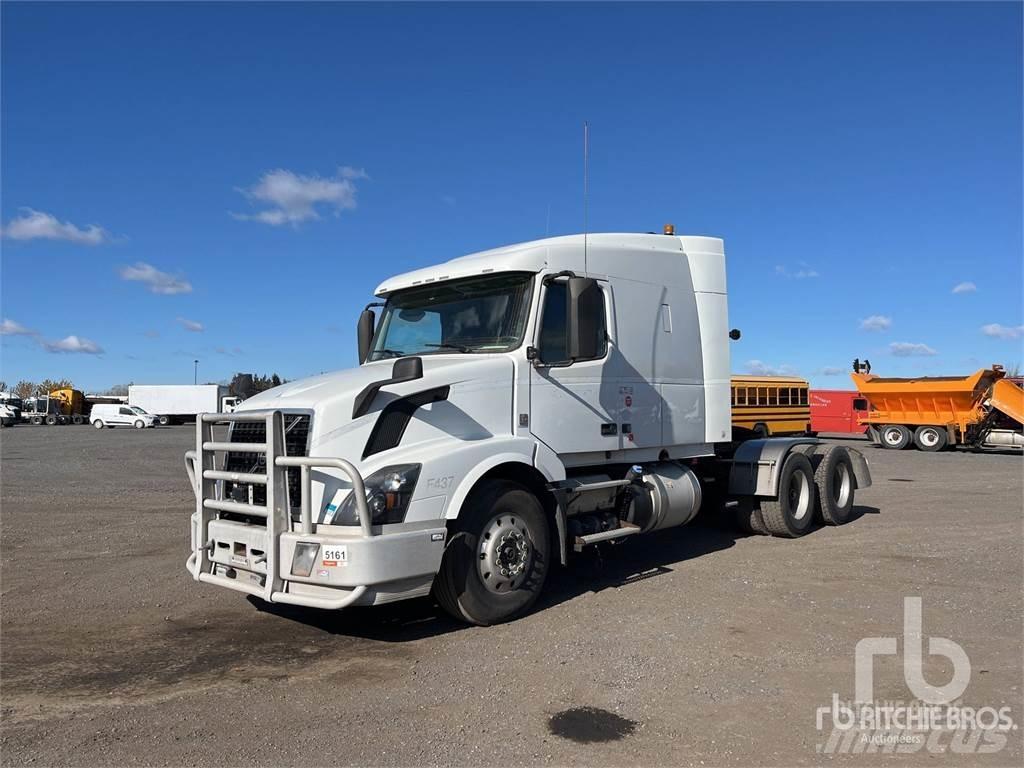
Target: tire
[
  {"x": 76, "y": 420},
  {"x": 834, "y": 483},
  {"x": 164, "y": 420},
  {"x": 51, "y": 420},
  {"x": 139, "y": 424},
  {"x": 930, "y": 439},
  {"x": 98, "y": 423},
  {"x": 894, "y": 436},
  {"x": 792, "y": 513},
  {"x": 469, "y": 585},
  {"x": 37, "y": 420},
  {"x": 748, "y": 517}
]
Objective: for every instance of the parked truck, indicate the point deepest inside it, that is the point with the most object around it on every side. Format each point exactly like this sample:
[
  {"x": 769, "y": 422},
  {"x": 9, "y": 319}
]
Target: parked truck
[
  {"x": 511, "y": 407},
  {"x": 984, "y": 409},
  {"x": 178, "y": 403},
  {"x": 838, "y": 411},
  {"x": 72, "y": 404}
]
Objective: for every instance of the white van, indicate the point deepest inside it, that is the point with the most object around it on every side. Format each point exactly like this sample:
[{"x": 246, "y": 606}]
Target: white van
[{"x": 105, "y": 415}]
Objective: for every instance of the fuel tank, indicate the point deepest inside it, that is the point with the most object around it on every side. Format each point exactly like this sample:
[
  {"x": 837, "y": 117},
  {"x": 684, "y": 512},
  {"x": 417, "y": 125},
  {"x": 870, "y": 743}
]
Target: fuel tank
[{"x": 671, "y": 496}]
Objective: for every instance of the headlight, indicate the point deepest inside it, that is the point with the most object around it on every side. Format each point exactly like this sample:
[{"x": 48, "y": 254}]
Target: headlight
[{"x": 388, "y": 493}]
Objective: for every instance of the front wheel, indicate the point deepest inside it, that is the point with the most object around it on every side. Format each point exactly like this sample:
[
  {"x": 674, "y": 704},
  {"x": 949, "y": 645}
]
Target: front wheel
[
  {"x": 497, "y": 559},
  {"x": 140, "y": 424}
]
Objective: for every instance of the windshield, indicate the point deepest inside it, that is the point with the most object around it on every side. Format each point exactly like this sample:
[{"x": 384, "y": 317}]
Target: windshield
[
  {"x": 139, "y": 410},
  {"x": 476, "y": 314}
]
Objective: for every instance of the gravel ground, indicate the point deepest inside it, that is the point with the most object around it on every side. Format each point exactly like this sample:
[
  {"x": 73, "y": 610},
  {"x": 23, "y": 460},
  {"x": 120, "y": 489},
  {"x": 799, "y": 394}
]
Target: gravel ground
[{"x": 696, "y": 646}]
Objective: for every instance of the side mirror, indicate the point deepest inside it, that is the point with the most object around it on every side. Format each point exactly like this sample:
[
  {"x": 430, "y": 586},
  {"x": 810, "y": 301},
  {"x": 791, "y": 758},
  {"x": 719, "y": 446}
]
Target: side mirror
[
  {"x": 584, "y": 307},
  {"x": 364, "y": 331}
]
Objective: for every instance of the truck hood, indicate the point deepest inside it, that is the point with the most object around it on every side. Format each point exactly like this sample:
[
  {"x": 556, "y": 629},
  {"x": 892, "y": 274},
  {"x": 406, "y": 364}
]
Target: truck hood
[{"x": 479, "y": 385}]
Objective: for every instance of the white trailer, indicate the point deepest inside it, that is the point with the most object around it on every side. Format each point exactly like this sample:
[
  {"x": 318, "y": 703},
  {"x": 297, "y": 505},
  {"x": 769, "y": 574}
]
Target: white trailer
[
  {"x": 511, "y": 407},
  {"x": 176, "y": 403}
]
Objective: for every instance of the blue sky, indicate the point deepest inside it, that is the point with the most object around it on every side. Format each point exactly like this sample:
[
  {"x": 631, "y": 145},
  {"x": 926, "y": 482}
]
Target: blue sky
[{"x": 255, "y": 170}]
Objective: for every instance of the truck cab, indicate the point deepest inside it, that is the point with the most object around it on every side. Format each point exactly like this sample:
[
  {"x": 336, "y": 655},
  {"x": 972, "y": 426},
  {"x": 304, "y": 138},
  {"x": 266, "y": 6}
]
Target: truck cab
[{"x": 510, "y": 407}]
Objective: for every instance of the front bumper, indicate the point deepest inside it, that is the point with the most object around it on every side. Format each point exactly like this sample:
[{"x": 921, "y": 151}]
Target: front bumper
[{"x": 348, "y": 567}]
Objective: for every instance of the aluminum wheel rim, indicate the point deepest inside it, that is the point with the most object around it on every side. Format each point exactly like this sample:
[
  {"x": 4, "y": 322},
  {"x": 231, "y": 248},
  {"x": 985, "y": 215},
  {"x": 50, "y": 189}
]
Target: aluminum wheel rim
[
  {"x": 799, "y": 495},
  {"x": 504, "y": 555},
  {"x": 929, "y": 437},
  {"x": 893, "y": 436},
  {"x": 841, "y": 485}
]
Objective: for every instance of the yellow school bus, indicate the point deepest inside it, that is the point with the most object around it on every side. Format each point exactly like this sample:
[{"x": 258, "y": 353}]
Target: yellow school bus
[{"x": 770, "y": 405}]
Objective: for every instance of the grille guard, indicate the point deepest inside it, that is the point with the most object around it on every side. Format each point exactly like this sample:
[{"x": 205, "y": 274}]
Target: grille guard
[{"x": 201, "y": 467}]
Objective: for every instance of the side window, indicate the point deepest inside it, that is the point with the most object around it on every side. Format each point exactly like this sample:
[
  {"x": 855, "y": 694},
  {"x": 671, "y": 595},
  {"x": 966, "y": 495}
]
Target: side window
[
  {"x": 784, "y": 396},
  {"x": 554, "y": 343},
  {"x": 803, "y": 397},
  {"x": 773, "y": 396},
  {"x": 125, "y": 412},
  {"x": 762, "y": 396}
]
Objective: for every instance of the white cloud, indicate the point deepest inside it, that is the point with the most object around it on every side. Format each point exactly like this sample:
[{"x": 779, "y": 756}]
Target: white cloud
[
  {"x": 997, "y": 331},
  {"x": 73, "y": 344},
  {"x": 759, "y": 368},
  {"x": 294, "y": 198},
  {"x": 229, "y": 352},
  {"x": 155, "y": 280},
  {"x": 36, "y": 225},
  {"x": 11, "y": 328},
  {"x": 805, "y": 271},
  {"x": 190, "y": 325},
  {"x": 967, "y": 287},
  {"x": 907, "y": 349},
  {"x": 876, "y": 323},
  {"x": 830, "y": 370}
]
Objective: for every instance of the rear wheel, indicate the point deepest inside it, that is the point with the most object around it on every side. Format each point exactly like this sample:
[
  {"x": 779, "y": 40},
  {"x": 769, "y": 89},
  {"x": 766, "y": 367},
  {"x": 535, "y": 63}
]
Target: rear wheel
[
  {"x": 164, "y": 420},
  {"x": 76, "y": 419},
  {"x": 51, "y": 420},
  {"x": 37, "y": 420},
  {"x": 98, "y": 423},
  {"x": 748, "y": 517},
  {"x": 792, "y": 512},
  {"x": 894, "y": 436},
  {"x": 834, "y": 482},
  {"x": 930, "y": 438},
  {"x": 497, "y": 561}
]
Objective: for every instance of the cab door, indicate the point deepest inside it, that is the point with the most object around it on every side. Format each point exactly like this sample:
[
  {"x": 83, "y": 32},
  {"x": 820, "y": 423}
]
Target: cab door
[
  {"x": 124, "y": 415},
  {"x": 574, "y": 406}
]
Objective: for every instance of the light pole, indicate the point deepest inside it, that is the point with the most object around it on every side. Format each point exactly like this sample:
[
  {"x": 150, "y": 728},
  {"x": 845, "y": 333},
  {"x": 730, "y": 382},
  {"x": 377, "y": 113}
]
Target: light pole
[{"x": 195, "y": 372}]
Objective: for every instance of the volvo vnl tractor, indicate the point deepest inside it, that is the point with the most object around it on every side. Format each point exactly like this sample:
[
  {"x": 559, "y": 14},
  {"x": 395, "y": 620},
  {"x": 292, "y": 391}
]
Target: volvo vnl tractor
[{"x": 511, "y": 407}]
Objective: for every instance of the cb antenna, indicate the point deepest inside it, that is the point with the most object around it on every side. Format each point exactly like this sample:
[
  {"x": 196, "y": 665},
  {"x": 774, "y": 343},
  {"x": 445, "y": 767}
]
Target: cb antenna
[{"x": 586, "y": 188}]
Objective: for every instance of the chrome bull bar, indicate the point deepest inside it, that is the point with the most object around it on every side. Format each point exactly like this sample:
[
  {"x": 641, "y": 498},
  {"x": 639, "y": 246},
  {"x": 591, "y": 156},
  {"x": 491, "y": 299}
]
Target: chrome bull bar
[{"x": 200, "y": 464}]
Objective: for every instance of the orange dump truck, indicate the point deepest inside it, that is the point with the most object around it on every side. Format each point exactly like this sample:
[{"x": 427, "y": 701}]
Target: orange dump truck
[{"x": 933, "y": 412}]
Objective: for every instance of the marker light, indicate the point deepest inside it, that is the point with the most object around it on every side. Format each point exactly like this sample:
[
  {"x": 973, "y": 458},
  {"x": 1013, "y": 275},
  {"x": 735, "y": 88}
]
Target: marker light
[
  {"x": 305, "y": 555},
  {"x": 670, "y": 229}
]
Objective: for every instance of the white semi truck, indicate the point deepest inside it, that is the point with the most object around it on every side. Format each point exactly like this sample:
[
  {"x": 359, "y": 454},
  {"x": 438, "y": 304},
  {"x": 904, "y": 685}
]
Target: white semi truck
[
  {"x": 511, "y": 407},
  {"x": 176, "y": 403}
]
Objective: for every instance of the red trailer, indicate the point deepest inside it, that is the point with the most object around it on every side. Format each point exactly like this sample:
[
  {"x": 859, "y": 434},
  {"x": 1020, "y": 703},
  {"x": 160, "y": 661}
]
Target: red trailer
[{"x": 837, "y": 410}]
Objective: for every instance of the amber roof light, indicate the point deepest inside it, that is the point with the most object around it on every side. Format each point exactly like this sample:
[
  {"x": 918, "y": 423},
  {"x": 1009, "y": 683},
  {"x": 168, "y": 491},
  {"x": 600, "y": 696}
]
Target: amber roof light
[{"x": 670, "y": 229}]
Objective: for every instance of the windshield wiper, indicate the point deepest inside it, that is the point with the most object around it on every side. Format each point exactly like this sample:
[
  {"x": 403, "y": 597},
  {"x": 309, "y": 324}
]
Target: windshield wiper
[
  {"x": 448, "y": 345},
  {"x": 389, "y": 352}
]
